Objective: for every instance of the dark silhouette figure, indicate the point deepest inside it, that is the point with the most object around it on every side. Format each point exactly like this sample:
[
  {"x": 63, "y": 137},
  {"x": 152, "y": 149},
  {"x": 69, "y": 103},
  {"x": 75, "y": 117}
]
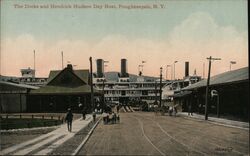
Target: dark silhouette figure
[
  {"x": 190, "y": 111},
  {"x": 84, "y": 113},
  {"x": 69, "y": 118},
  {"x": 94, "y": 116}
]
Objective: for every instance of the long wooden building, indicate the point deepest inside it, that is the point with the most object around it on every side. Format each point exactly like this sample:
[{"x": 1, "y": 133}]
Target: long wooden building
[{"x": 232, "y": 98}]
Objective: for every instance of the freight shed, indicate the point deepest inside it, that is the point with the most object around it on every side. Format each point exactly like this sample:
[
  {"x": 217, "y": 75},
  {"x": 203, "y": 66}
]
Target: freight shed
[
  {"x": 13, "y": 97},
  {"x": 233, "y": 95},
  {"x": 65, "y": 88}
]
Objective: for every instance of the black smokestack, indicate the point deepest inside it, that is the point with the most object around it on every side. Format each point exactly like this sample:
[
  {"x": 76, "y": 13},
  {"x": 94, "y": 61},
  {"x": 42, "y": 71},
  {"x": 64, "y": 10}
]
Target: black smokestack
[
  {"x": 100, "y": 67},
  {"x": 186, "y": 69},
  {"x": 124, "y": 68}
]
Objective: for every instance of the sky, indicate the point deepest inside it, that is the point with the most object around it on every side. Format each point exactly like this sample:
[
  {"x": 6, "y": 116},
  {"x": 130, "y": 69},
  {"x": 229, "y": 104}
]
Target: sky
[{"x": 183, "y": 30}]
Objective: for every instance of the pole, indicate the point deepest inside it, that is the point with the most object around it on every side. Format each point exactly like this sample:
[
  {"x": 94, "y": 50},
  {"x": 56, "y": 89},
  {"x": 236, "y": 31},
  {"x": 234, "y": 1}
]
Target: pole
[
  {"x": 208, "y": 79},
  {"x": 156, "y": 92},
  {"x": 207, "y": 88},
  {"x": 174, "y": 68},
  {"x": 160, "y": 84},
  {"x": 171, "y": 72},
  {"x": 91, "y": 84},
  {"x": 34, "y": 62},
  {"x": 166, "y": 72},
  {"x": 62, "y": 59},
  {"x": 174, "y": 71},
  {"x": 103, "y": 98},
  {"x": 203, "y": 70}
]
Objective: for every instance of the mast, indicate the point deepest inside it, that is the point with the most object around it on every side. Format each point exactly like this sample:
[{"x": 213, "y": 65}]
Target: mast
[
  {"x": 34, "y": 62},
  {"x": 62, "y": 59}
]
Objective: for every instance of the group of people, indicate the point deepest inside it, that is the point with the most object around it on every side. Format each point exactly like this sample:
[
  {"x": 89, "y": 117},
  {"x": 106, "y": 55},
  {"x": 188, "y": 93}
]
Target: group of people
[
  {"x": 172, "y": 110},
  {"x": 111, "y": 117}
]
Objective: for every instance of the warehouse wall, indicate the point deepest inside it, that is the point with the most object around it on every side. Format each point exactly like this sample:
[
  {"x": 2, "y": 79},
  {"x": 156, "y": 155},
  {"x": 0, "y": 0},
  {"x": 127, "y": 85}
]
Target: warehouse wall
[{"x": 13, "y": 103}]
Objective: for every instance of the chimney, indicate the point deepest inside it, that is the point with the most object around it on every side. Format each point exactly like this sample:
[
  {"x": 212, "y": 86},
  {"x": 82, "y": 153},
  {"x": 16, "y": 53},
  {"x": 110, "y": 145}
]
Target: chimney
[
  {"x": 69, "y": 66},
  {"x": 186, "y": 69},
  {"x": 124, "y": 68},
  {"x": 100, "y": 67}
]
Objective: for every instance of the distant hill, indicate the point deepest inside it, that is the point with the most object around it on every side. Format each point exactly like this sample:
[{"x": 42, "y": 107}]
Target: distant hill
[{"x": 113, "y": 76}]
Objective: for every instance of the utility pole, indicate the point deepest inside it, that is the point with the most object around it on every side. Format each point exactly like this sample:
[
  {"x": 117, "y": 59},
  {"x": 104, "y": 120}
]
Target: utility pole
[
  {"x": 232, "y": 62},
  {"x": 167, "y": 71},
  {"x": 156, "y": 92},
  {"x": 34, "y": 62},
  {"x": 174, "y": 68},
  {"x": 160, "y": 84},
  {"x": 103, "y": 98},
  {"x": 91, "y": 84},
  {"x": 62, "y": 60},
  {"x": 203, "y": 70},
  {"x": 207, "y": 88}
]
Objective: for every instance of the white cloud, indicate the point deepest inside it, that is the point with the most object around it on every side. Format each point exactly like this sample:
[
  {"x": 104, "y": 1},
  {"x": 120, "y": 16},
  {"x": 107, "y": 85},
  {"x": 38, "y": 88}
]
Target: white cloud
[{"x": 194, "y": 39}]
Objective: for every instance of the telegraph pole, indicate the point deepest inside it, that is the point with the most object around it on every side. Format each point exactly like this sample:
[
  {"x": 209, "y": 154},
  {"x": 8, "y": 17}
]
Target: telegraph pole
[
  {"x": 232, "y": 62},
  {"x": 207, "y": 88},
  {"x": 103, "y": 98},
  {"x": 91, "y": 84},
  {"x": 156, "y": 92},
  {"x": 34, "y": 62},
  {"x": 203, "y": 70},
  {"x": 160, "y": 84},
  {"x": 62, "y": 60}
]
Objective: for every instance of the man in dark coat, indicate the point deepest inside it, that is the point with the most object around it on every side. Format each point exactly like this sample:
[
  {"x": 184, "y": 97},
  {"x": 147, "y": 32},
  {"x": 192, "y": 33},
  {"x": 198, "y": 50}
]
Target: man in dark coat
[{"x": 69, "y": 118}]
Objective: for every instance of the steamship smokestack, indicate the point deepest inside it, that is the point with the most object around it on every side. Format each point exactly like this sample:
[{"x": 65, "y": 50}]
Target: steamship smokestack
[
  {"x": 100, "y": 67},
  {"x": 124, "y": 68},
  {"x": 186, "y": 69}
]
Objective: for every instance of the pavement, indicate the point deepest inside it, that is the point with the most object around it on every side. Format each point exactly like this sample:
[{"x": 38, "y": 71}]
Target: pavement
[
  {"x": 219, "y": 121},
  {"x": 46, "y": 143},
  {"x": 147, "y": 133}
]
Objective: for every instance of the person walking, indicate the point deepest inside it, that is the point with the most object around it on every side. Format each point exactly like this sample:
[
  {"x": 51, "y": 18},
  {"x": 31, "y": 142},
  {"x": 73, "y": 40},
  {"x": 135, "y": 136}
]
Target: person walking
[
  {"x": 94, "y": 116},
  {"x": 175, "y": 110},
  {"x": 190, "y": 111},
  {"x": 84, "y": 113},
  {"x": 69, "y": 118}
]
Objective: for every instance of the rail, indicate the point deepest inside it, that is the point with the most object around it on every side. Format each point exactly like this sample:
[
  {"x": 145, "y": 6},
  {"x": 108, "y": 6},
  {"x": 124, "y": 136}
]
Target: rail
[{"x": 36, "y": 121}]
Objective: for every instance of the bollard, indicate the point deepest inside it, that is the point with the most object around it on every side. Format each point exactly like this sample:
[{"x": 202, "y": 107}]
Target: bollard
[
  {"x": 20, "y": 116},
  {"x": 32, "y": 116},
  {"x": 51, "y": 117},
  {"x": 7, "y": 116},
  {"x": 43, "y": 117}
]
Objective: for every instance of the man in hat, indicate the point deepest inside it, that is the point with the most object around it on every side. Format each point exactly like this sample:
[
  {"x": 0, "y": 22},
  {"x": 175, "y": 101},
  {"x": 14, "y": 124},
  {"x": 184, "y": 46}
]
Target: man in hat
[{"x": 69, "y": 118}]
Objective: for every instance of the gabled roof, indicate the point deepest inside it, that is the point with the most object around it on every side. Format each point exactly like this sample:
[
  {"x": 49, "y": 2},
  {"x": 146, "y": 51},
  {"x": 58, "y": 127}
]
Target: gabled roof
[
  {"x": 234, "y": 76},
  {"x": 82, "y": 74},
  {"x": 66, "y": 81}
]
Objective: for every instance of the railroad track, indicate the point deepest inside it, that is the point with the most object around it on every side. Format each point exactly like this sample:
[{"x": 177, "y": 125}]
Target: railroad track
[{"x": 190, "y": 148}]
